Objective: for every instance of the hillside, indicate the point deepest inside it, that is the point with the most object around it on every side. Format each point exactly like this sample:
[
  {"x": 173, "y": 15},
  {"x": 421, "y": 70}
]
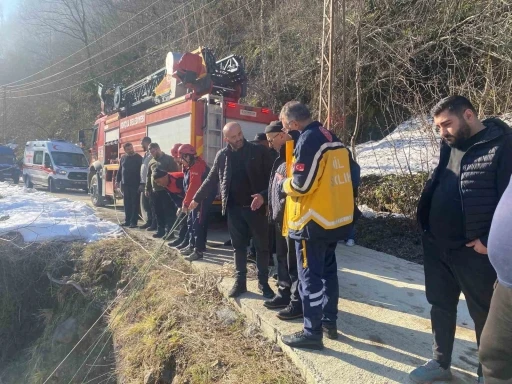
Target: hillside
[{"x": 400, "y": 56}]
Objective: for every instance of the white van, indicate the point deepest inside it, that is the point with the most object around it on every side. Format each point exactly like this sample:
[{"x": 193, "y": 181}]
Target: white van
[{"x": 55, "y": 164}]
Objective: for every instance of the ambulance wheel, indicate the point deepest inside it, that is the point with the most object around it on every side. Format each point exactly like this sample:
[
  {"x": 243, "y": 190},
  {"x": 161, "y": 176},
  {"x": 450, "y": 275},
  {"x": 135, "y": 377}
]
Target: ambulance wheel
[
  {"x": 28, "y": 183},
  {"x": 51, "y": 185},
  {"x": 96, "y": 198}
]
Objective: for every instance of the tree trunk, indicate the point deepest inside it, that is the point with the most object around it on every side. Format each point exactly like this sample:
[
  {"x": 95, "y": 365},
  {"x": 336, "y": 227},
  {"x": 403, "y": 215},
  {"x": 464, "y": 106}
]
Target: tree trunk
[{"x": 358, "y": 86}]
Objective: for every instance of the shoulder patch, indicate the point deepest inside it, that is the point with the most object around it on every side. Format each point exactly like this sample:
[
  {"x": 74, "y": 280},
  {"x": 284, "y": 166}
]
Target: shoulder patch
[
  {"x": 326, "y": 133},
  {"x": 299, "y": 167}
]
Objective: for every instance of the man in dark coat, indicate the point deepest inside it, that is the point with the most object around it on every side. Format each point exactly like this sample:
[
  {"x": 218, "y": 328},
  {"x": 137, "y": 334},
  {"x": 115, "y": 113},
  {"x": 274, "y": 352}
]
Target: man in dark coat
[
  {"x": 243, "y": 170},
  {"x": 455, "y": 212},
  {"x": 128, "y": 178},
  {"x": 288, "y": 297}
]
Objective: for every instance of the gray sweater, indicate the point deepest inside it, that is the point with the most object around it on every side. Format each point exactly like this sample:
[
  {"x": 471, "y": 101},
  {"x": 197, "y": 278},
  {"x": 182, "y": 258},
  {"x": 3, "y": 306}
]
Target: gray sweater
[
  {"x": 500, "y": 240},
  {"x": 144, "y": 168},
  {"x": 165, "y": 163}
]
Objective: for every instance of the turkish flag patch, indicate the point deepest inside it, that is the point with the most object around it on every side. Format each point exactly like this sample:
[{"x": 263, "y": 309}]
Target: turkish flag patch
[{"x": 300, "y": 167}]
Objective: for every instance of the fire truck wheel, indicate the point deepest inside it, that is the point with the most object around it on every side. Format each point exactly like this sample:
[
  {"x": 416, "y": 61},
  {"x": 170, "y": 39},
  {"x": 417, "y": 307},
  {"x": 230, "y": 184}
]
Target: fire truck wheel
[
  {"x": 96, "y": 198},
  {"x": 51, "y": 185}
]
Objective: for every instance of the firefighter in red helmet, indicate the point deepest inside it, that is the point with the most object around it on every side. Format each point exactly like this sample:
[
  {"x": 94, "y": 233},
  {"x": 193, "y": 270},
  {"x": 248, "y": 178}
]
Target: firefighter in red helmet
[
  {"x": 195, "y": 170},
  {"x": 175, "y": 152}
]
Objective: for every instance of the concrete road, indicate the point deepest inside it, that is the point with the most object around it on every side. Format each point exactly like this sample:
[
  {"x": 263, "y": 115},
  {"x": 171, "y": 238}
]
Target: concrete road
[{"x": 384, "y": 316}]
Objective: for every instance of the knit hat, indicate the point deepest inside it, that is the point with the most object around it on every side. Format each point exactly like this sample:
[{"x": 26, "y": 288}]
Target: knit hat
[
  {"x": 274, "y": 127},
  {"x": 260, "y": 137},
  {"x": 159, "y": 173}
]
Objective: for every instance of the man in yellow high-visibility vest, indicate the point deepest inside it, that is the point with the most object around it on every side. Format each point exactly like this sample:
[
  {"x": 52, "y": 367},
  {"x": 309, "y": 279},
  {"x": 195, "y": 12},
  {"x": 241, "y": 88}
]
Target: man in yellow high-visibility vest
[{"x": 319, "y": 211}]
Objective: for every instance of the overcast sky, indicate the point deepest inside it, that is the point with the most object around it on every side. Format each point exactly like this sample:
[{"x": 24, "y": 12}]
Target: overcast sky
[{"x": 9, "y": 6}]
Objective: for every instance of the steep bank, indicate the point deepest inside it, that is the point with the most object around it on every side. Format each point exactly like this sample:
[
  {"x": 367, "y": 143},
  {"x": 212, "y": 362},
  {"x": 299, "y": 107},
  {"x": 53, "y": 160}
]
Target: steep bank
[{"x": 168, "y": 323}]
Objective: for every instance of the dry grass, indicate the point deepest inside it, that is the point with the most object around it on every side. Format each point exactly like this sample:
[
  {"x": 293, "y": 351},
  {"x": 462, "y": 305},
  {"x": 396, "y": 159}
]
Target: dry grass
[
  {"x": 169, "y": 329},
  {"x": 164, "y": 324}
]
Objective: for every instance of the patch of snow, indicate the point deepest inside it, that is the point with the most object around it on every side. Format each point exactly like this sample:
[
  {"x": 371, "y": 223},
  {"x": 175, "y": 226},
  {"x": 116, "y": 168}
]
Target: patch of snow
[
  {"x": 40, "y": 217},
  {"x": 371, "y": 214},
  {"x": 412, "y": 147}
]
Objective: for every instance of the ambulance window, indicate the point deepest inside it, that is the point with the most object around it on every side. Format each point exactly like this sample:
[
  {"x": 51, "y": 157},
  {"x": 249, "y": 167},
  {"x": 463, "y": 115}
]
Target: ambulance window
[
  {"x": 47, "y": 160},
  {"x": 38, "y": 157}
]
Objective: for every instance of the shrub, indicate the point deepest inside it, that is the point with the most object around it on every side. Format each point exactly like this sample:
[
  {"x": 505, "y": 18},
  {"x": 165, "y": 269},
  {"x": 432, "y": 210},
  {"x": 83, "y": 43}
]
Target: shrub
[{"x": 392, "y": 193}]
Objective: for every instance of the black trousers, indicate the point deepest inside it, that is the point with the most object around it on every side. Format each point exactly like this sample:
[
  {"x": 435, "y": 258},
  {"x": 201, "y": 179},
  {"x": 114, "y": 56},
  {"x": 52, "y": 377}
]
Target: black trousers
[
  {"x": 287, "y": 273},
  {"x": 496, "y": 343},
  {"x": 165, "y": 210},
  {"x": 242, "y": 224},
  {"x": 447, "y": 273},
  {"x": 131, "y": 204}
]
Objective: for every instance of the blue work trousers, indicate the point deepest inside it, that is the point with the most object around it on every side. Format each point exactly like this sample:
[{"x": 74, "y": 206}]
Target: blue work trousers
[{"x": 319, "y": 289}]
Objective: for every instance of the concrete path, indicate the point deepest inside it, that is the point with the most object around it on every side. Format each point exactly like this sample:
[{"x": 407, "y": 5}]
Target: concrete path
[{"x": 384, "y": 318}]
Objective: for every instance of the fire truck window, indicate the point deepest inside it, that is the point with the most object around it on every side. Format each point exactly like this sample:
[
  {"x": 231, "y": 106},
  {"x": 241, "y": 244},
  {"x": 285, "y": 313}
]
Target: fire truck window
[
  {"x": 38, "y": 157},
  {"x": 94, "y": 135}
]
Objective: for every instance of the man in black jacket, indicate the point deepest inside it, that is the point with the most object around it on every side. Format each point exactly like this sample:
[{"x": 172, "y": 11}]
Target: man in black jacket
[
  {"x": 129, "y": 178},
  {"x": 243, "y": 170},
  {"x": 455, "y": 213},
  {"x": 287, "y": 297}
]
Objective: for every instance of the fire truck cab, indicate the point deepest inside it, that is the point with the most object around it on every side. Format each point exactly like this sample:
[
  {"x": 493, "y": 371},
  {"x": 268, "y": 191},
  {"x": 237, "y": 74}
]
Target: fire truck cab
[{"x": 187, "y": 102}]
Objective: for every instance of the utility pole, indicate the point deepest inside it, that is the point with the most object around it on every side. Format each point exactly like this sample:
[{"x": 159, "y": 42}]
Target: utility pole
[
  {"x": 344, "y": 59},
  {"x": 327, "y": 72},
  {"x": 4, "y": 119},
  {"x": 327, "y": 65}
]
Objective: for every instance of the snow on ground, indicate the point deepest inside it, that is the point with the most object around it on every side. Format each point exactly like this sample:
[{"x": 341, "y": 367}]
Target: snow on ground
[
  {"x": 371, "y": 214},
  {"x": 40, "y": 217},
  {"x": 411, "y": 147}
]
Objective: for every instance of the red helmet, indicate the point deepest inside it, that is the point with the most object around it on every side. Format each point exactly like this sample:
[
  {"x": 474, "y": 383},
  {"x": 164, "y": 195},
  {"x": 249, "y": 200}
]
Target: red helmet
[
  {"x": 175, "y": 150},
  {"x": 187, "y": 149}
]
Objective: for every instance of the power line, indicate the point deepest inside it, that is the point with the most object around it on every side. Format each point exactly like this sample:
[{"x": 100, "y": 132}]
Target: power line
[
  {"x": 108, "y": 49},
  {"x": 134, "y": 61},
  {"x": 98, "y": 54},
  {"x": 81, "y": 49}
]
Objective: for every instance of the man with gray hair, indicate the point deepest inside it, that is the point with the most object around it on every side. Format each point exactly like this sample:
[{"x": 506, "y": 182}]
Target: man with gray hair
[{"x": 319, "y": 210}]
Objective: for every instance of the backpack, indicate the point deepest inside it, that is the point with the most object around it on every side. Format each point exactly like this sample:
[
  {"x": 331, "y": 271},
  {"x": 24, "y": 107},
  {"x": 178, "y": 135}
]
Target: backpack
[{"x": 355, "y": 175}]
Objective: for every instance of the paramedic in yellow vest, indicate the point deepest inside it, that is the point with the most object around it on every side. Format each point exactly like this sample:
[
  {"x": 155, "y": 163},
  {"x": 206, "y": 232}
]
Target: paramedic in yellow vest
[{"x": 319, "y": 211}]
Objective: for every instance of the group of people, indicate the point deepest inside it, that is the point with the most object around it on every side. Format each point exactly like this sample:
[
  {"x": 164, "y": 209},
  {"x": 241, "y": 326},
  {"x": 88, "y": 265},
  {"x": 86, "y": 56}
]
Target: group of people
[
  {"x": 306, "y": 204},
  {"x": 166, "y": 185}
]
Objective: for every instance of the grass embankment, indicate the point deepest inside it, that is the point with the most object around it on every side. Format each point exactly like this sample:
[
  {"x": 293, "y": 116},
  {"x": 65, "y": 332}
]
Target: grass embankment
[{"x": 169, "y": 325}]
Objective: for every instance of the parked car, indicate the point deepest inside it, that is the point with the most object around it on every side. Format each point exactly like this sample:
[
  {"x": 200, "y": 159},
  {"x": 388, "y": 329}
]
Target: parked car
[{"x": 9, "y": 169}]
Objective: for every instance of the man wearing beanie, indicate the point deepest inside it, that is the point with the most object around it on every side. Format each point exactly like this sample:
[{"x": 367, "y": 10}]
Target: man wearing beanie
[{"x": 287, "y": 298}]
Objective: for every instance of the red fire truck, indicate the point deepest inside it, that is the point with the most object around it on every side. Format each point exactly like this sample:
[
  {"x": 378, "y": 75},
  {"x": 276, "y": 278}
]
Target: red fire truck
[{"x": 188, "y": 101}]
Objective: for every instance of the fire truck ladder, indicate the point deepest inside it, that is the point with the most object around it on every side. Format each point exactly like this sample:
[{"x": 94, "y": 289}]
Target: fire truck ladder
[
  {"x": 139, "y": 92},
  {"x": 226, "y": 76}
]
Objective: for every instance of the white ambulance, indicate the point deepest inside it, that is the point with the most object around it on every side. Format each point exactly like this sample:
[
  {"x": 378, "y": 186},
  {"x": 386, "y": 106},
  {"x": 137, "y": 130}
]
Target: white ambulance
[{"x": 55, "y": 164}]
